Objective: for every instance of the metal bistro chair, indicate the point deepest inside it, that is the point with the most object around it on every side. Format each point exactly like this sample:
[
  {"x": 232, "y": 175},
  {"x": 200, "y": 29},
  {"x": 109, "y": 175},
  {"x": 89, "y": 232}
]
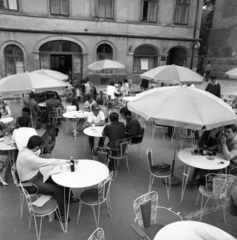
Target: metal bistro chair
[
  {"x": 98, "y": 234},
  {"x": 185, "y": 134},
  {"x": 156, "y": 126},
  {"x": 16, "y": 182},
  {"x": 156, "y": 173},
  {"x": 139, "y": 140},
  {"x": 97, "y": 196},
  {"x": 56, "y": 114},
  {"x": 217, "y": 186},
  {"x": 101, "y": 154},
  {"x": 121, "y": 153},
  {"x": 146, "y": 212},
  {"x": 48, "y": 208}
]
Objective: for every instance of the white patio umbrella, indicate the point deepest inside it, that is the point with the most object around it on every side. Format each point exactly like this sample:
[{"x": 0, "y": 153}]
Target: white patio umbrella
[
  {"x": 184, "y": 107},
  {"x": 105, "y": 64},
  {"x": 232, "y": 73},
  {"x": 173, "y": 74},
  {"x": 26, "y": 82},
  {"x": 51, "y": 73}
]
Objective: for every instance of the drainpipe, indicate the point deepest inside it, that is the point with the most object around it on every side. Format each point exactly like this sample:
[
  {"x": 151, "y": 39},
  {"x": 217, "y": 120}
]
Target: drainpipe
[{"x": 194, "y": 33}]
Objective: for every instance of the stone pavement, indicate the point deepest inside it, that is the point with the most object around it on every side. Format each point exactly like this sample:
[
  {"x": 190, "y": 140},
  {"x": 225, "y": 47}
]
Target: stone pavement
[{"x": 124, "y": 190}]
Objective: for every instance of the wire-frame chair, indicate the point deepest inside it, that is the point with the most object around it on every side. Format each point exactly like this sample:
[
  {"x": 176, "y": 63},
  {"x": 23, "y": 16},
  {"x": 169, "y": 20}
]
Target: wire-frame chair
[
  {"x": 101, "y": 154},
  {"x": 17, "y": 184},
  {"x": 186, "y": 134},
  {"x": 156, "y": 126},
  {"x": 121, "y": 153},
  {"x": 146, "y": 210},
  {"x": 48, "y": 208},
  {"x": 139, "y": 141},
  {"x": 97, "y": 196},
  {"x": 154, "y": 172},
  {"x": 217, "y": 186},
  {"x": 98, "y": 234},
  {"x": 56, "y": 114}
]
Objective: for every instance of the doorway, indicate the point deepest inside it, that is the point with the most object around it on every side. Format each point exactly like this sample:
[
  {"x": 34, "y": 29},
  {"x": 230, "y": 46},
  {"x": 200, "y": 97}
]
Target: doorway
[
  {"x": 177, "y": 56},
  {"x": 62, "y": 63}
]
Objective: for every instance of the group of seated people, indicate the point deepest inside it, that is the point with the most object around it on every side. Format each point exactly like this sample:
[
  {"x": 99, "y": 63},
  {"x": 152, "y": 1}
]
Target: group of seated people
[{"x": 220, "y": 140}]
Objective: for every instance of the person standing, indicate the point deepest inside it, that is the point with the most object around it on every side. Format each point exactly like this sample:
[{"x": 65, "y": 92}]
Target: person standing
[
  {"x": 208, "y": 71},
  {"x": 214, "y": 87}
]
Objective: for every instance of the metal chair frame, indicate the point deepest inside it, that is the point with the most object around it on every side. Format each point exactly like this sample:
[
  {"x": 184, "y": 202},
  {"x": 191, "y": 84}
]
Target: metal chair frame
[
  {"x": 217, "y": 186},
  {"x": 56, "y": 114},
  {"x": 165, "y": 175},
  {"x": 101, "y": 154},
  {"x": 183, "y": 134},
  {"x": 98, "y": 234},
  {"x": 103, "y": 196},
  {"x": 156, "y": 126}
]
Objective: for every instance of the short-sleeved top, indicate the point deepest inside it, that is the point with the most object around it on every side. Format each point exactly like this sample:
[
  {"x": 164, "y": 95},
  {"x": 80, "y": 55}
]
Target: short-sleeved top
[
  {"x": 110, "y": 91},
  {"x": 95, "y": 119},
  {"x": 133, "y": 127},
  {"x": 115, "y": 131}
]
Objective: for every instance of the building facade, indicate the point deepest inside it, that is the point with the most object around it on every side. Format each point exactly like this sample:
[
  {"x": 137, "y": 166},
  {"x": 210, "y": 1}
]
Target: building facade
[
  {"x": 222, "y": 43},
  {"x": 68, "y": 35}
]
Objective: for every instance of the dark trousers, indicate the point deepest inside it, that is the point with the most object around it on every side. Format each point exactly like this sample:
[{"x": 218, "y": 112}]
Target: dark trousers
[
  {"x": 91, "y": 142},
  {"x": 49, "y": 187}
]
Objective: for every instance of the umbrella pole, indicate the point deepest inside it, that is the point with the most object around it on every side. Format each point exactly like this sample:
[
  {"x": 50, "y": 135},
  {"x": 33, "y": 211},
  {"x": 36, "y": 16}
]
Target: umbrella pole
[{"x": 175, "y": 181}]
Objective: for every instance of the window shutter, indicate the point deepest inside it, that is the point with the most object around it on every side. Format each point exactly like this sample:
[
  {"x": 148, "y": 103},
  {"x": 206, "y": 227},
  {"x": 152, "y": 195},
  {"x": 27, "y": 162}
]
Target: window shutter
[
  {"x": 64, "y": 7},
  {"x": 141, "y": 10},
  {"x": 153, "y": 10},
  {"x": 55, "y": 6},
  {"x": 94, "y": 8},
  {"x": 12, "y": 4}
]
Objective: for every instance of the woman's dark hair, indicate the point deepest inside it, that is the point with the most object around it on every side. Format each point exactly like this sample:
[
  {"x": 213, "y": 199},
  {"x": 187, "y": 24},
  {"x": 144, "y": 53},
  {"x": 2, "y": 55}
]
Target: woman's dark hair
[
  {"x": 112, "y": 83},
  {"x": 23, "y": 121},
  {"x": 100, "y": 101},
  {"x": 125, "y": 80},
  {"x": 113, "y": 117},
  {"x": 34, "y": 141},
  {"x": 120, "y": 82}
]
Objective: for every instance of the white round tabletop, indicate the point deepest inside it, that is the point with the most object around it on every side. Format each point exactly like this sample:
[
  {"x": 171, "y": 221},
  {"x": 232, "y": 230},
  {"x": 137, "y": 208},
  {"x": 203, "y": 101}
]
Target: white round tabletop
[
  {"x": 200, "y": 161},
  {"x": 94, "y": 132},
  {"x": 5, "y": 147},
  {"x": 87, "y": 173},
  {"x": 6, "y": 119},
  {"x": 76, "y": 114},
  {"x": 192, "y": 230},
  {"x": 129, "y": 98},
  {"x": 42, "y": 104}
]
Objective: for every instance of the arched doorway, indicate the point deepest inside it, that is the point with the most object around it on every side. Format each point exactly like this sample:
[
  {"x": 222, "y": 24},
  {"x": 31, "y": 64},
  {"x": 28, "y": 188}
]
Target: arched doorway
[
  {"x": 63, "y": 56},
  {"x": 177, "y": 56}
]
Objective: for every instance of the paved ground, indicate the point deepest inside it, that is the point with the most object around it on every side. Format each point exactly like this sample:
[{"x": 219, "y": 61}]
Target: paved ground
[{"x": 124, "y": 190}]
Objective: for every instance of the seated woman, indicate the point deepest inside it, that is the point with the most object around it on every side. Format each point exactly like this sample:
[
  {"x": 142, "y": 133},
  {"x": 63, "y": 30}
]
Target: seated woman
[
  {"x": 4, "y": 156},
  {"x": 87, "y": 107},
  {"x": 4, "y": 108},
  {"x": 211, "y": 139},
  {"x": 103, "y": 108}
]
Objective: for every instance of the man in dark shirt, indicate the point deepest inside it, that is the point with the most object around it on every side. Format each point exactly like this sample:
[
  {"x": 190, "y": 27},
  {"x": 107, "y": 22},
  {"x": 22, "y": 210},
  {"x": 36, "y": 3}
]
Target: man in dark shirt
[
  {"x": 133, "y": 126},
  {"x": 53, "y": 102},
  {"x": 114, "y": 131},
  {"x": 214, "y": 87}
]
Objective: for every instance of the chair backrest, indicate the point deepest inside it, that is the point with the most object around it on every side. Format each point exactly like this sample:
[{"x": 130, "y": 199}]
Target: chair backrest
[
  {"x": 149, "y": 155},
  {"x": 145, "y": 209},
  {"x": 28, "y": 199},
  {"x": 122, "y": 147},
  {"x": 184, "y": 132},
  {"x": 104, "y": 188},
  {"x": 56, "y": 112},
  {"x": 98, "y": 234},
  {"x": 218, "y": 184},
  {"x": 101, "y": 154}
]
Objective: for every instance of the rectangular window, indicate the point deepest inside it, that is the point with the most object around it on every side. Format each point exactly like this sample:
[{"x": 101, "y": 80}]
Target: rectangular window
[
  {"x": 143, "y": 64},
  {"x": 149, "y": 10},
  {"x": 9, "y": 4},
  {"x": 105, "y": 8},
  {"x": 181, "y": 12},
  {"x": 59, "y": 7}
]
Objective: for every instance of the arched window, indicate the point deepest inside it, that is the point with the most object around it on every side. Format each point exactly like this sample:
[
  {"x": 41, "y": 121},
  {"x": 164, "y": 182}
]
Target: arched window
[
  {"x": 104, "y": 51},
  {"x": 14, "y": 60},
  {"x": 145, "y": 58}
]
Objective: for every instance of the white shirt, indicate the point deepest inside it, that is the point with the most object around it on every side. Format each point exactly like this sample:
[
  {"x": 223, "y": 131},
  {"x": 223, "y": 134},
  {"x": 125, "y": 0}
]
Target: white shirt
[
  {"x": 22, "y": 136},
  {"x": 95, "y": 119},
  {"x": 28, "y": 164},
  {"x": 110, "y": 91}
]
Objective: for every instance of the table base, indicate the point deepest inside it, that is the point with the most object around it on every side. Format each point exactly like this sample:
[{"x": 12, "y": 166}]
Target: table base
[{"x": 174, "y": 181}]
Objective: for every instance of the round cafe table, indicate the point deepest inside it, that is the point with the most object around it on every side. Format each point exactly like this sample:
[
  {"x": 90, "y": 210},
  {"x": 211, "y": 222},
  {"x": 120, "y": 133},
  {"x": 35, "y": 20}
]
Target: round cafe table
[
  {"x": 87, "y": 173},
  {"x": 199, "y": 161},
  {"x": 192, "y": 230},
  {"x": 42, "y": 104},
  {"x": 129, "y": 98},
  {"x": 6, "y": 119}
]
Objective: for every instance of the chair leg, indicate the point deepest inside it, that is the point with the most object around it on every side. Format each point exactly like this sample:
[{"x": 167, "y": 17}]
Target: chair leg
[
  {"x": 38, "y": 232},
  {"x": 224, "y": 208},
  {"x": 151, "y": 182},
  {"x": 198, "y": 196},
  {"x": 107, "y": 202},
  {"x": 22, "y": 199},
  {"x": 153, "y": 133},
  {"x": 30, "y": 217},
  {"x": 167, "y": 185},
  {"x": 96, "y": 223},
  {"x": 79, "y": 211},
  {"x": 60, "y": 219},
  {"x": 127, "y": 163},
  {"x": 203, "y": 208}
]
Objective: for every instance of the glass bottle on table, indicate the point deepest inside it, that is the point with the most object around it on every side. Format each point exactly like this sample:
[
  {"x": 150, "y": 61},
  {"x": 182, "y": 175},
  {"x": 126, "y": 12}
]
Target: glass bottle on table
[{"x": 72, "y": 165}]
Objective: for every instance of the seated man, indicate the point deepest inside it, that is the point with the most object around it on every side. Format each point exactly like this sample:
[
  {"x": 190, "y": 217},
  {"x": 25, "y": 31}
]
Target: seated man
[
  {"x": 97, "y": 118},
  {"x": 23, "y": 133},
  {"x": 28, "y": 168},
  {"x": 24, "y": 113},
  {"x": 133, "y": 126},
  {"x": 228, "y": 145},
  {"x": 34, "y": 107}
]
